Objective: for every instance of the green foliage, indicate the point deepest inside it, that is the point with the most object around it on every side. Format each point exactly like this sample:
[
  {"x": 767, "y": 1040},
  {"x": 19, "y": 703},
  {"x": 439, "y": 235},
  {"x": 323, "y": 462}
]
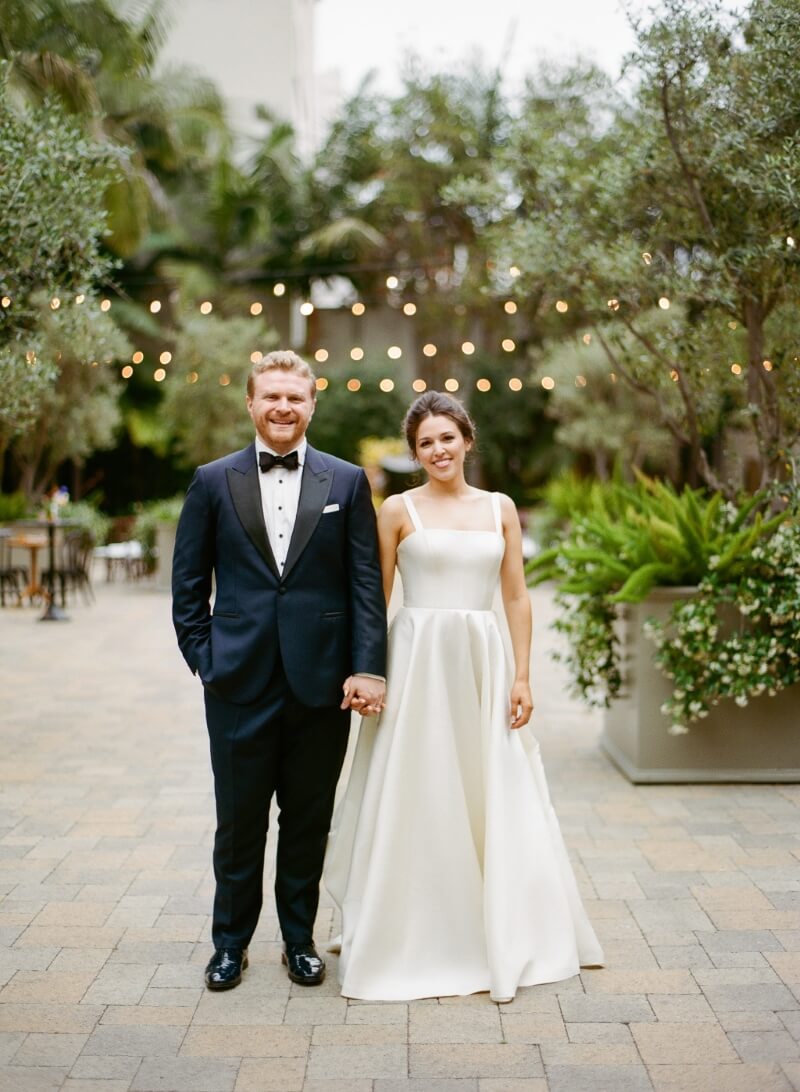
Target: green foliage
[
  {"x": 51, "y": 190},
  {"x": 343, "y": 419},
  {"x": 630, "y": 539},
  {"x": 89, "y": 518},
  {"x": 206, "y": 418},
  {"x": 78, "y": 413},
  {"x": 689, "y": 195},
  {"x": 739, "y": 636},
  {"x": 14, "y": 506}
]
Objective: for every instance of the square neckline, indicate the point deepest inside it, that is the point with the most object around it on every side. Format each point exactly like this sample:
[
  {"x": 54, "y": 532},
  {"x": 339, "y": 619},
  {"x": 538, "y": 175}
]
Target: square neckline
[{"x": 420, "y": 527}]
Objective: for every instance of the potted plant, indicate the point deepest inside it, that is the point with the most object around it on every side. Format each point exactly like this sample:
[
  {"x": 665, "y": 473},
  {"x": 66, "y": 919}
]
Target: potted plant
[
  {"x": 678, "y": 609},
  {"x": 155, "y": 527}
]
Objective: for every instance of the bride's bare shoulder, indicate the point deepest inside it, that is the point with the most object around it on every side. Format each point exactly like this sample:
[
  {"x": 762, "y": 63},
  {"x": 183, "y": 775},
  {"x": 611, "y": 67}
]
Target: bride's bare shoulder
[{"x": 392, "y": 510}]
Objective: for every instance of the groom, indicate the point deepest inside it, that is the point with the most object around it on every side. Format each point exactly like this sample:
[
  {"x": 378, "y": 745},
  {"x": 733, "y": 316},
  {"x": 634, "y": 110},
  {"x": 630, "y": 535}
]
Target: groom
[{"x": 288, "y": 535}]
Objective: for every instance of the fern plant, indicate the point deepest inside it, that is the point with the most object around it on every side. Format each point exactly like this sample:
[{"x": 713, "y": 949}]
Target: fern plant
[{"x": 631, "y": 539}]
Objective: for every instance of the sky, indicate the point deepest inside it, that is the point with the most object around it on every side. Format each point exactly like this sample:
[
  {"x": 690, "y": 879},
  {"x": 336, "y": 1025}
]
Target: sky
[{"x": 354, "y": 36}]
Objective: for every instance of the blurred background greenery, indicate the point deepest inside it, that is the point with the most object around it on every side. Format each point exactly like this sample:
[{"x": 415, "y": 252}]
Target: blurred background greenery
[{"x": 606, "y": 272}]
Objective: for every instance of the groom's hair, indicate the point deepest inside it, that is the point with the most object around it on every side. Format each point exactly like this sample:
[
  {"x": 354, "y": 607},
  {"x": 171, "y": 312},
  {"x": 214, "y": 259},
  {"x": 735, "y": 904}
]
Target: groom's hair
[
  {"x": 436, "y": 404},
  {"x": 285, "y": 360}
]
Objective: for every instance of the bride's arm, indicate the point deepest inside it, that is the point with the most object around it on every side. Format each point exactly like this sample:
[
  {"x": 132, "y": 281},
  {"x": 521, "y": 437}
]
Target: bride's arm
[
  {"x": 517, "y": 605},
  {"x": 390, "y": 522}
]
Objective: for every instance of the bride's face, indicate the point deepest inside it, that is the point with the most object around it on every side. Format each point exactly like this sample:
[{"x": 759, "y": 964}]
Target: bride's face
[{"x": 441, "y": 448}]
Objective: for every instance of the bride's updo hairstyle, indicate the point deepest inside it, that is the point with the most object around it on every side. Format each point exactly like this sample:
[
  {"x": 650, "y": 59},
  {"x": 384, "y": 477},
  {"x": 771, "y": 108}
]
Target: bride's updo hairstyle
[{"x": 436, "y": 404}]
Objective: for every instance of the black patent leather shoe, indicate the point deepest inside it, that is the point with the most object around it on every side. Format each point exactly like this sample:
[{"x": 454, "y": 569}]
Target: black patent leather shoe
[
  {"x": 304, "y": 964},
  {"x": 224, "y": 970}
]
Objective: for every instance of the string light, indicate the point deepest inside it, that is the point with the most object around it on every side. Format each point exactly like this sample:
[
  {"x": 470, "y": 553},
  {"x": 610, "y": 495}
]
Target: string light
[
  {"x": 255, "y": 356},
  {"x": 159, "y": 375},
  {"x": 663, "y": 303},
  {"x": 155, "y": 307},
  {"x": 467, "y": 348},
  {"x": 515, "y": 384},
  {"x": 409, "y": 308},
  {"x": 354, "y": 384},
  {"x": 562, "y": 306},
  {"x": 483, "y": 385},
  {"x": 256, "y": 308},
  {"x": 165, "y": 357},
  {"x": 429, "y": 350},
  {"x": 736, "y": 369},
  {"x": 6, "y": 301},
  {"x": 548, "y": 382},
  {"x": 321, "y": 355},
  {"x": 224, "y": 380},
  {"x": 278, "y": 289},
  {"x": 358, "y": 308},
  {"x": 647, "y": 258},
  {"x": 105, "y": 305},
  {"x": 419, "y": 385},
  {"x": 322, "y": 383},
  {"x": 790, "y": 242},
  {"x": 580, "y": 380},
  {"x": 508, "y": 344},
  {"x": 392, "y": 282},
  {"x": 587, "y": 339},
  {"x": 30, "y": 356},
  {"x": 510, "y": 307},
  {"x": 614, "y": 304},
  {"x": 127, "y": 371},
  {"x": 767, "y": 365},
  {"x": 137, "y": 357},
  {"x": 356, "y": 353},
  {"x": 451, "y": 384},
  {"x": 674, "y": 376},
  {"x": 307, "y": 308},
  {"x": 732, "y": 325},
  {"x": 206, "y": 307},
  {"x": 514, "y": 271},
  {"x": 394, "y": 352},
  {"x": 55, "y": 303},
  {"x": 192, "y": 377},
  {"x": 80, "y": 298},
  {"x": 386, "y": 385}
]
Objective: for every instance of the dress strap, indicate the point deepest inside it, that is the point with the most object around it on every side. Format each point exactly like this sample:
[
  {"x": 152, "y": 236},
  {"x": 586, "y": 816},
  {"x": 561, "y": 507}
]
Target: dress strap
[
  {"x": 498, "y": 518},
  {"x": 412, "y": 511}
]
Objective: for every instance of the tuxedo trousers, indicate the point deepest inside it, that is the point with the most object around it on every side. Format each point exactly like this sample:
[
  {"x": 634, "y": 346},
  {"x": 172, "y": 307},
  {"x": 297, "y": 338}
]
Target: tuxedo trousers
[{"x": 275, "y": 746}]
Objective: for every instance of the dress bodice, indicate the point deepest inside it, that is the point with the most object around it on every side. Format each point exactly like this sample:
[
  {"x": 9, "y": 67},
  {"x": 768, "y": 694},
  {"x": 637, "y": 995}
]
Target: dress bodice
[{"x": 448, "y": 569}]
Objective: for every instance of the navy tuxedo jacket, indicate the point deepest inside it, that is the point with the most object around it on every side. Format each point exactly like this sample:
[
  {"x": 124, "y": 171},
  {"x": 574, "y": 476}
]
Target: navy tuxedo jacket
[{"x": 325, "y": 615}]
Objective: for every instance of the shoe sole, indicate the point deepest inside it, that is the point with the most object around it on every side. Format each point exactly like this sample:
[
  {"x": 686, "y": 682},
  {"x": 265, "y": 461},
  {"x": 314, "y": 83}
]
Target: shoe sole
[
  {"x": 217, "y": 987},
  {"x": 315, "y": 980}
]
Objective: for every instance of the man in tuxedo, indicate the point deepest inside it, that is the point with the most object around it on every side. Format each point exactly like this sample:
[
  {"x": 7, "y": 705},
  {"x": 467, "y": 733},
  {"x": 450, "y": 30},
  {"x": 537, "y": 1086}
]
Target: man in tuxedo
[{"x": 299, "y": 620}]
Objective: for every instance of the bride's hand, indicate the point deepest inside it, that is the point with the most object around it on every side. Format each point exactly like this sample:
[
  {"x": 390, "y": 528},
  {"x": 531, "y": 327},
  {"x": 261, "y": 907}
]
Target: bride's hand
[{"x": 521, "y": 704}]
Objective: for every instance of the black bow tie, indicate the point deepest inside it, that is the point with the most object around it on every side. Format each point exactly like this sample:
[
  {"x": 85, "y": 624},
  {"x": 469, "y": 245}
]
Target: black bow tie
[{"x": 266, "y": 460}]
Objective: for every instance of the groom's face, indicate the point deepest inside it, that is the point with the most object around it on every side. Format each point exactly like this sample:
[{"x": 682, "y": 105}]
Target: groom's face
[{"x": 281, "y": 407}]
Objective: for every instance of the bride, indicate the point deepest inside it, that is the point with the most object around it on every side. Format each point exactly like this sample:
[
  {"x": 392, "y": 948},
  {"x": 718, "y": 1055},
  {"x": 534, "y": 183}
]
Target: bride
[{"x": 446, "y": 858}]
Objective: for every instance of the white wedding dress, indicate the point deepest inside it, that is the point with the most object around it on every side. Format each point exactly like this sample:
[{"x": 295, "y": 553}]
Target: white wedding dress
[{"x": 446, "y": 858}]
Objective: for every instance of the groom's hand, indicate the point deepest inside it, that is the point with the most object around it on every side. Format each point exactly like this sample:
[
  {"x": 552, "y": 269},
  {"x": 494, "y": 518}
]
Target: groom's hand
[{"x": 364, "y": 695}]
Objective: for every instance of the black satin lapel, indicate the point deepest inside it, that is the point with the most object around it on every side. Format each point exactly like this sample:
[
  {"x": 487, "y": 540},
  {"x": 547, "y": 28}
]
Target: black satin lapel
[
  {"x": 246, "y": 496},
  {"x": 314, "y": 491}
]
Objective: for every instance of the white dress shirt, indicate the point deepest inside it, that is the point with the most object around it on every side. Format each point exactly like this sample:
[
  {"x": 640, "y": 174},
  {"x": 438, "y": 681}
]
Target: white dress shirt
[{"x": 280, "y": 494}]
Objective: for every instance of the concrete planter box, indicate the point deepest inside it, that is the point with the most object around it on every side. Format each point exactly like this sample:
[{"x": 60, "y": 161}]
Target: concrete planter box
[
  {"x": 760, "y": 742},
  {"x": 165, "y": 547}
]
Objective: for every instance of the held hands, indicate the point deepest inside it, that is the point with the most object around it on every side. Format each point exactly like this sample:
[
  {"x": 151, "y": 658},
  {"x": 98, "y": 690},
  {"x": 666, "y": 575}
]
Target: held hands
[
  {"x": 363, "y": 695},
  {"x": 521, "y": 704}
]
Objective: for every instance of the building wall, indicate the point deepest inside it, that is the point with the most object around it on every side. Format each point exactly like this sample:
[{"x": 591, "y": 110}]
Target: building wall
[{"x": 255, "y": 51}]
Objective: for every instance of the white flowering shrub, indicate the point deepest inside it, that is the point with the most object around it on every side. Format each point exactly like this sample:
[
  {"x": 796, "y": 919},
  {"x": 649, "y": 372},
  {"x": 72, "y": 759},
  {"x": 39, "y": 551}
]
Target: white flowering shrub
[{"x": 736, "y": 638}]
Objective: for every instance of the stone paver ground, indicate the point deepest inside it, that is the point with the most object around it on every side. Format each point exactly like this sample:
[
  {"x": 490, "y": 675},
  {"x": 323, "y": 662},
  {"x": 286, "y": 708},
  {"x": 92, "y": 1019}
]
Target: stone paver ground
[{"x": 105, "y": 889}]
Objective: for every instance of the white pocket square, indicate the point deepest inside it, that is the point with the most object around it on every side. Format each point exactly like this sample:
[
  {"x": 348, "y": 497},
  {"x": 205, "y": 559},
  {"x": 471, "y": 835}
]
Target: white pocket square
[{"x": 330, "y": 508}]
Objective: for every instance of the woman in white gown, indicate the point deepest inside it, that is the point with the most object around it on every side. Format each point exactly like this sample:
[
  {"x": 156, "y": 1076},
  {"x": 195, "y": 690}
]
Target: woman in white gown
[{"x": 446, "y": 858}]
